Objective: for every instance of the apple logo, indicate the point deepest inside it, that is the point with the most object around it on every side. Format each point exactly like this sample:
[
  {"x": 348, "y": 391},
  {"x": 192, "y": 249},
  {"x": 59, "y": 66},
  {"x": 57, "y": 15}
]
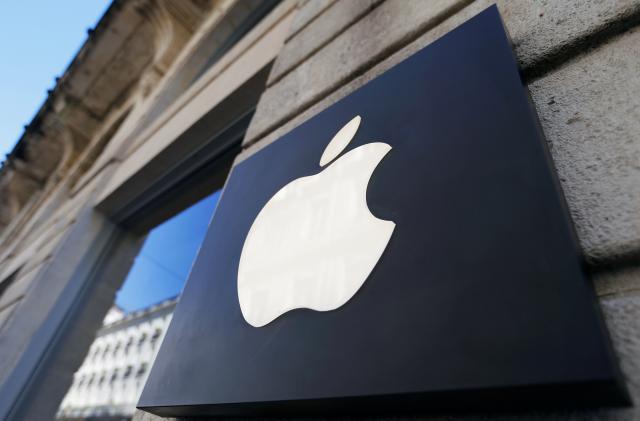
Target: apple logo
[{"x": 315, "y": 242}]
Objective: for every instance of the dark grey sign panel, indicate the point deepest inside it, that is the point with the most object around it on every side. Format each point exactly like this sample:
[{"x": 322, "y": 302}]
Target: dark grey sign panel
[{"x": 407, "y": 249}]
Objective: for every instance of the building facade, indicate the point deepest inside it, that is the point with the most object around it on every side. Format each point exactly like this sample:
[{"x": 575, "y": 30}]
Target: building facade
[
  {"x": 166, "y": 96},
  {"x": 109, "y": 382}
]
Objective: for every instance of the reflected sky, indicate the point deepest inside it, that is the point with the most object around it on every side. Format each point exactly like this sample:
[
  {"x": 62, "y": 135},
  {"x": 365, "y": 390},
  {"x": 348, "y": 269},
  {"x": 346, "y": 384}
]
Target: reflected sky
[{"x": 164, "y": 262}]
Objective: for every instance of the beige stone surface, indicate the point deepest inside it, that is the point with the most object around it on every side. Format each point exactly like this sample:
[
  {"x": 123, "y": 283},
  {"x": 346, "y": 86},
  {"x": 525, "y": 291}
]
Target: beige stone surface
[
  {"x": 545, "y": 32},
  {"x": 590, "y": 112},
  {"x": 18, "y": 287},
  {"x": 308, "y": 11},
  {"x": 35, "y": 251},
  {"x": 329, "y": 24},
  {"x": 619, "y": 280}
]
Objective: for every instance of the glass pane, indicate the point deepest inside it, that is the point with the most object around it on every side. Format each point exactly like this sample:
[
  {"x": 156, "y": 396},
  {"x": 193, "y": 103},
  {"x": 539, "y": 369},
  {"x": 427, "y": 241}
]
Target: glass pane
[
  {"x": 110, "y": 380},
  {"x": 163, "y": 264}
]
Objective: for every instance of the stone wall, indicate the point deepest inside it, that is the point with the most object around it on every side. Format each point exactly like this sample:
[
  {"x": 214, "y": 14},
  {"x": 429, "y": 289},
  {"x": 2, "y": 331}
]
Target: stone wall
[
  {"x": 581, "y": 60},
  {"x": 51, "y": 239}
]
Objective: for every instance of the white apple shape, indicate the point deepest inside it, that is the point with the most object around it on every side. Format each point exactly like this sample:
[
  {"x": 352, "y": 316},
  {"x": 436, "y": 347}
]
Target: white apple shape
[{"x": 315, "y": 242}]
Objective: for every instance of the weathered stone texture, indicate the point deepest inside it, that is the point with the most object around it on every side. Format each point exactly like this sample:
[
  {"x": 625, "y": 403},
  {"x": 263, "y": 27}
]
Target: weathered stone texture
[
  {"x": 618, "y": 281},
  {"x": 328, "y": 25},
  {"x": 590, "y": 112},
  {"x": 144, "y": 416},
  {"x": 18, "y": 288},
  {"x": 307, "y": 12},
  {"x": 548, "y": 30},
  {"x": 623, "y": 317}
]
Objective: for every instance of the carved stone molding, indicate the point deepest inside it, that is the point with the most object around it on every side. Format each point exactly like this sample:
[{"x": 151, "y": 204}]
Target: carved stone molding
[
  {"x": 173, "y": 23},
  {"x": 126, "y": 54}
]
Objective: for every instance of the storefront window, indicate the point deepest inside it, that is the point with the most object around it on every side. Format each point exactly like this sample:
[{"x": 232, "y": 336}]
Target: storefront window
[
  {"x": 141, "y": 313},
  {"x": 163, "y": 264}
]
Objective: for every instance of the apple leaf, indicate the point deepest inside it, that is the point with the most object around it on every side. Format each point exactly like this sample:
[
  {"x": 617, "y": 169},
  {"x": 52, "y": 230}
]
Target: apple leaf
[{"x": 340, "y": 141}]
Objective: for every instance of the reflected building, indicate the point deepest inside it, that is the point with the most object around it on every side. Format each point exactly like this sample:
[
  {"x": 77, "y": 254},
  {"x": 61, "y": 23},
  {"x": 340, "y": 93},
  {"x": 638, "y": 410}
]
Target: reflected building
[{"x": 108, "y": 384}]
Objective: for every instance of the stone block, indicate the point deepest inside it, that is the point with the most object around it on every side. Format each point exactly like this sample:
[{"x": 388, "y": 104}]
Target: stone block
[
  {"x": 616, "y": 281},
  {"x": 145, "y": 416},
  {"x": 545, "y": 31},
  {"x": 327, "y": 25},
  {"x": 6, "y": 312},
  {"x": 590, "y": 112},
  {"x": 17, "y": 289},
  {"x": 622, "y": 314},
  {"x": 307, "y": 12}
]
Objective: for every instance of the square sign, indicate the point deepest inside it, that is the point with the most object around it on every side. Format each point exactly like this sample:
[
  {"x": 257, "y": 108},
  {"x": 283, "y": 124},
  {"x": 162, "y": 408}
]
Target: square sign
[{"x": 407, "y": 249}]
